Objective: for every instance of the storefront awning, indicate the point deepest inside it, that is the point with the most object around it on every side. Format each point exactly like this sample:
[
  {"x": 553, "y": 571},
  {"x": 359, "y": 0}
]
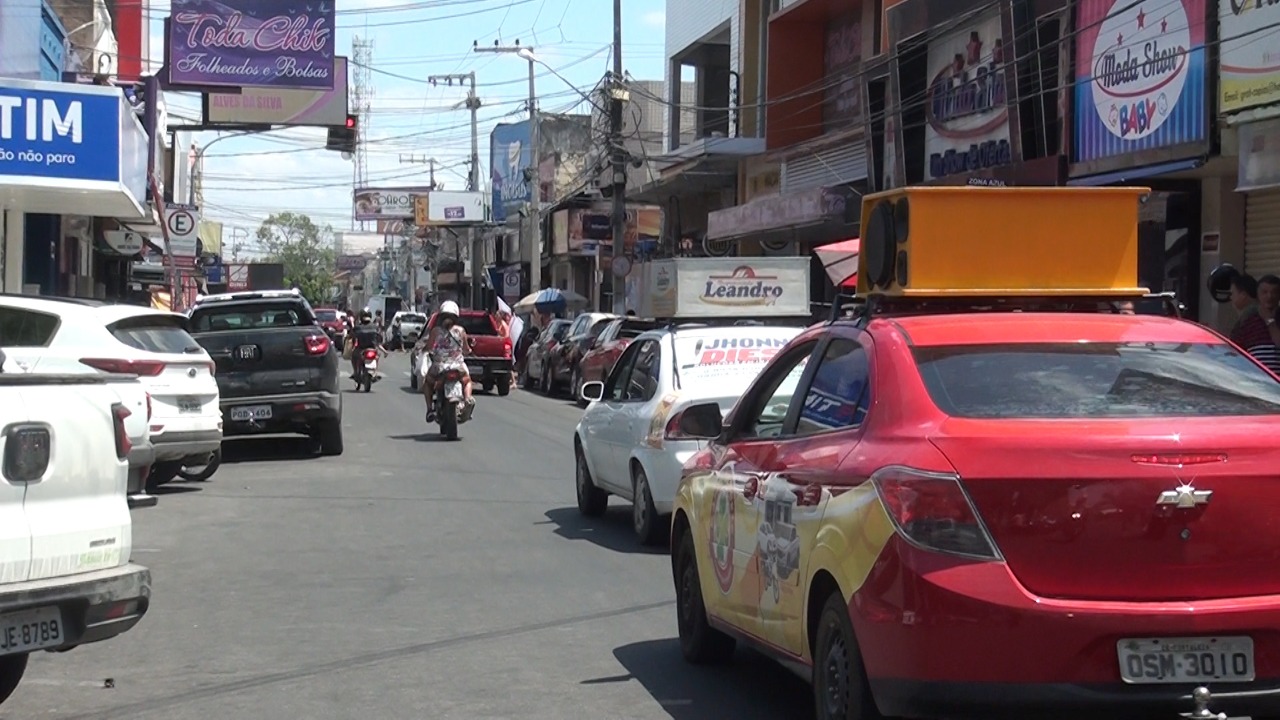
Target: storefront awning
[
  {"x": 1137, "y": 173},
  {"x": 705, "y": 165},
  {"x": 785, "y": 211},
  {"x": 71, "y": 150}
]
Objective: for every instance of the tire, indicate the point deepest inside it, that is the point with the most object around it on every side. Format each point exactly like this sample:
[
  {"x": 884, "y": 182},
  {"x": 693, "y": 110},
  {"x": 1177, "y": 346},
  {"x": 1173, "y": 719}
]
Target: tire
[
  {"x": 330, "y": 437},
  {"x": 12, "y": 668},
  {"x": 207, "y": 472},
  {"x": 504, "y": 385},
  {"x": 575, "y": 387},
  {"x": 592, "y": 501},
  {"x": 700, "y": 643},
  {"x": 840, "y": 687},
  {"x": 645, "y": 520},
  {"x": 162, "y": 473},
  {"x": 368, "y": 383},
  {"x": 447, "y": 413}
]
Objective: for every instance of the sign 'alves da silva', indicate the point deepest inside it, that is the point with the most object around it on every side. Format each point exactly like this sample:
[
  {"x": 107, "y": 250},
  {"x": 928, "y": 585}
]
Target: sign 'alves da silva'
[{"x": 725, "y": 287}]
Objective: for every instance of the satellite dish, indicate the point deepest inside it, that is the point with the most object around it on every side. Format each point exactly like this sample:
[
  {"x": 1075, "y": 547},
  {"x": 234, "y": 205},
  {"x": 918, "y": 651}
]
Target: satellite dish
[{"x": 346, "y": 156}]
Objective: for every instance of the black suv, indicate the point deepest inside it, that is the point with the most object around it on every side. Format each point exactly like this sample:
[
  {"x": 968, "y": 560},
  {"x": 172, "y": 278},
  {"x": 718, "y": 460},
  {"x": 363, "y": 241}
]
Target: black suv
[{"x": 277, "y": 368}]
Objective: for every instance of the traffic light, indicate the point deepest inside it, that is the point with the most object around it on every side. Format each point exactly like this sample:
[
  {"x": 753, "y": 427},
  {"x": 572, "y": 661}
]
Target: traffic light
[{"x": 343, "y": 139}]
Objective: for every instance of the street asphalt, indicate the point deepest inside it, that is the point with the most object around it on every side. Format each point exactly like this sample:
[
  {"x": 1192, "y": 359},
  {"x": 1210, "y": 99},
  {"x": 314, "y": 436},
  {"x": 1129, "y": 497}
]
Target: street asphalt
[{"x": 409, "y": 578}]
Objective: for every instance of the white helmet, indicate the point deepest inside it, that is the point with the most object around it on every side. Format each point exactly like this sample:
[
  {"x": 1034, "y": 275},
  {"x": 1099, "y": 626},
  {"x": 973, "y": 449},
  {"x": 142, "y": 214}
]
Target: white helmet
[{"x": 449, "y": 307}]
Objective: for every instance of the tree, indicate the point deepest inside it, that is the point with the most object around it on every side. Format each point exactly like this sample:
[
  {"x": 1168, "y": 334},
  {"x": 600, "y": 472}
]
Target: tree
[{"x": 306, "y": 251}]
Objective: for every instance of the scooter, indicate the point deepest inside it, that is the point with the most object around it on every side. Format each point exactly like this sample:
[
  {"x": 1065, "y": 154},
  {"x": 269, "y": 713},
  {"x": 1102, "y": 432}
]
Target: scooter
[
  {"x": 368, "y": 370},
  {"x": 449, "y": 403}
]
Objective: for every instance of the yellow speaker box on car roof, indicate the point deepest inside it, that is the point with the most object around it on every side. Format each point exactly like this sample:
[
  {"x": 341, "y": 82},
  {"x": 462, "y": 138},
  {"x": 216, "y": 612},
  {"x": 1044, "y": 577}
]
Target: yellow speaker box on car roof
[{"x": 921, "y": 242}]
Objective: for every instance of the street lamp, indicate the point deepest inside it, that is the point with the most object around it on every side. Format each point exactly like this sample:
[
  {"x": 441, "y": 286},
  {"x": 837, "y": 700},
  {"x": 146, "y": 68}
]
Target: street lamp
[{"x": 197, "y": 167}]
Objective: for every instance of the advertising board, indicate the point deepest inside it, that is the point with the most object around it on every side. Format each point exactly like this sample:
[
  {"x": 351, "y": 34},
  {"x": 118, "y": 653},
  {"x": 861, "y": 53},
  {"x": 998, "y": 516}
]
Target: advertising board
[
  {"x": 726, "y": 288},
  {"x": 282, "y": 106}
]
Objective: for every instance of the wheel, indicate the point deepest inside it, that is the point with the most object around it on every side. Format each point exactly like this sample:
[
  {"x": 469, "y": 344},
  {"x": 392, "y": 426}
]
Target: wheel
[
  {"x": 413, "y": 379},
  {"x": 12, "y": 668},
  {"x": 840, "y": 687},
  {"x": 575, "y": 387},
  {"x": 206, "y": 472},
  {"x": 330, "y": 436},
  {"x": 592, "y": 501},
  {"x": 504, "y": 385},
  {"x": 162, "y": 473},
  {"x": 448, "y": 418},
  {"x": 700, "y": 643},
  {"x": 644, "y": 516},
  {"x": 368, "y": 383}
]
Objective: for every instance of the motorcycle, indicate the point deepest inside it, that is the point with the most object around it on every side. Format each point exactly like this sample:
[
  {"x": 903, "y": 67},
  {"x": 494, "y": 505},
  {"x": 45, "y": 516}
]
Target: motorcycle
[
  {"x": 449, "y": 403},
  {"x": 367, "y": 371}
]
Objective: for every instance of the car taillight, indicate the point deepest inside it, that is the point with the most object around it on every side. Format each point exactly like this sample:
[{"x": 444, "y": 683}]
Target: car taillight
[
  {"x": 506, "y": 348},
  {"x": 932, "y": 511},
  {"x": 370, "y": 354},
  {"x": 148, "y": 407},
  {"x": 213, "y": 367},
  {"x": 123, "y": 445},
  {"x": 26, "y": 452},
  {"x": 317, "y": 344},
  {"x": 144, "y": 368}
]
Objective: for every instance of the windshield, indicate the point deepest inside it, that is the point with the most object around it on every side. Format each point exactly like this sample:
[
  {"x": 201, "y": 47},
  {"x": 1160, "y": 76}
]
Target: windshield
[
  {"x": 725, "y": 363},
  {"x": 1096, "y": 380},
  {"x": 326, "y": 315},
  {"x": 248, "y": 317},
  {"x": 157, "y": 333}
]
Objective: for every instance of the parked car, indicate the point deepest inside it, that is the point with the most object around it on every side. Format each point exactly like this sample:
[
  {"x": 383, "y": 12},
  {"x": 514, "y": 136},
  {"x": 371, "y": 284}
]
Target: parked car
[
  {"x": 278, "y": 371},
  {"x": 490, "y": 361},
  {"x": 65, "y": 530},
  {"x": 628, "y": 442},
  {"x": 178, "y": 398},
  {"x": 406, "y": 327},
  {"x": 562, "y": 364},
  {"x": 600, "y": 358},
  {"x": 536, "y": 357}
]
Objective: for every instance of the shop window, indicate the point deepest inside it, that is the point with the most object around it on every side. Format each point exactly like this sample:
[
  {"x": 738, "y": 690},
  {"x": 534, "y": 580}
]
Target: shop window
[{"x": 1038, "y": 85}]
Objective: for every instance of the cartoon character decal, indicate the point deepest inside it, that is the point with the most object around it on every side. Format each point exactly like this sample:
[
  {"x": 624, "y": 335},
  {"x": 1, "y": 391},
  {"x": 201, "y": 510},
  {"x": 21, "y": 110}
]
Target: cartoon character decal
[
  {"x": 658, "y": 423},
  {"x": 777, "y": 544}
]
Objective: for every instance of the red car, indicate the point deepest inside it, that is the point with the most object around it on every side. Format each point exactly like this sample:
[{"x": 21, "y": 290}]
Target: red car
[
  {"x": 599, "y": 360},
  {"x": 1025, "y": 504},
  {"x": 334, "y": 322},
  {"x": 490, "y": 361}
]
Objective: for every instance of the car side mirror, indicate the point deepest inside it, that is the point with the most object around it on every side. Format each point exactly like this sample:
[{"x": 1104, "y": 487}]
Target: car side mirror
[
  {"x": 592, "y": 391},
  {"x": 703, "y": 421}
]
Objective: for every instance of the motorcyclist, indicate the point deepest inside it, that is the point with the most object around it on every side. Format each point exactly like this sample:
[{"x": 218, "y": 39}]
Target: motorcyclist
[
  {"x": 447, "y": 345},
  {"x": 365, "y": 335}
]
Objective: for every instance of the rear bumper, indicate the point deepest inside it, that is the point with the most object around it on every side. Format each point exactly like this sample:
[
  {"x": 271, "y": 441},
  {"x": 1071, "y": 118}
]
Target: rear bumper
[
  {"x": 141, "y": 458},
  {"x": 192, "y": 445},
  {"x": 488, "y": 367},
  {"x": 90, "y": 602},
  {"x": 291, "y": 413},
  {"x": 946, "y": 637}
]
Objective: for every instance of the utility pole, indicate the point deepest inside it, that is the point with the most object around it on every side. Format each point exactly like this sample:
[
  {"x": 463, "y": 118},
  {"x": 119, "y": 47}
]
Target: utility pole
[
  {"x": 473, "y": 178},
  {"x": 534, "y": 251},
  {"x": 619, "y": 156},
  {"x": 423, "y": 160}
]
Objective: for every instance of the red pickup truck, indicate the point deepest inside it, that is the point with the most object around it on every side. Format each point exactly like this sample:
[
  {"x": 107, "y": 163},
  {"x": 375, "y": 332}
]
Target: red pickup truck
[{"x": 490, "y": 361}]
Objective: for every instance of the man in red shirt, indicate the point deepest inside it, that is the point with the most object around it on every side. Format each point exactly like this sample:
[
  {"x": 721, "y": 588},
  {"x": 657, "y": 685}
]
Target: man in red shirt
[{"x": 1255, "y": 330}]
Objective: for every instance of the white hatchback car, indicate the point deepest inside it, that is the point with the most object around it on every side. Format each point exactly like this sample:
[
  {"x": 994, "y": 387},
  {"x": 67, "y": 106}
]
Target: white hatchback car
[
  {"x": 629, "y": 442},
  {"x": 85, "y": 336}
]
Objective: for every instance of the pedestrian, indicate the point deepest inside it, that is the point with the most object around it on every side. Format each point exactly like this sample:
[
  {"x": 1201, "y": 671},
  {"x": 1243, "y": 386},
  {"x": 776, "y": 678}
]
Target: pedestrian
[{"x": 1255, "y": 329}]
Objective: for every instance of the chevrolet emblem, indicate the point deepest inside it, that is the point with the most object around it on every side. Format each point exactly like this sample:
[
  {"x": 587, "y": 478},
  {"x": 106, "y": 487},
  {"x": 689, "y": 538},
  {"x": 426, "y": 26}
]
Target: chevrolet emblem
[{"x": 1184, "y": 497}]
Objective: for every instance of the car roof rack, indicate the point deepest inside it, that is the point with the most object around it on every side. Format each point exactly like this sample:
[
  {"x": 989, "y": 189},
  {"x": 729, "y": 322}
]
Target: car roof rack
[
  {"x": 880, "y": 305},
  {"x": 250, "y": 295}
]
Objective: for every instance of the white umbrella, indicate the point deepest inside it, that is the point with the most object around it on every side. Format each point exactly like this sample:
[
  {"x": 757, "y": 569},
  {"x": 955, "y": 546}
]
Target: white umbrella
[{"x": 840, "y": 260}]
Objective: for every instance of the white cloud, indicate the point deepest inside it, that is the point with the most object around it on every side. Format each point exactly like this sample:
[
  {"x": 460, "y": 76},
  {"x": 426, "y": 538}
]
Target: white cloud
[{"x": 656, "y": 19}]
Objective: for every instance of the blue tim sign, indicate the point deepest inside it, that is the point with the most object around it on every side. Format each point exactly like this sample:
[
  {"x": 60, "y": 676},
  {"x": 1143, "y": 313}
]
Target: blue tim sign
[
  {"x": 61, "y": 135},
  {"x": 510, "y": 154}
]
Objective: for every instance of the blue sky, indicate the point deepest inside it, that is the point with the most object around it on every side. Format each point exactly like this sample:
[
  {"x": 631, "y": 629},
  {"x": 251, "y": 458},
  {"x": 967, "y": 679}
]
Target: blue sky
[{"x": 251, "y": 177}]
